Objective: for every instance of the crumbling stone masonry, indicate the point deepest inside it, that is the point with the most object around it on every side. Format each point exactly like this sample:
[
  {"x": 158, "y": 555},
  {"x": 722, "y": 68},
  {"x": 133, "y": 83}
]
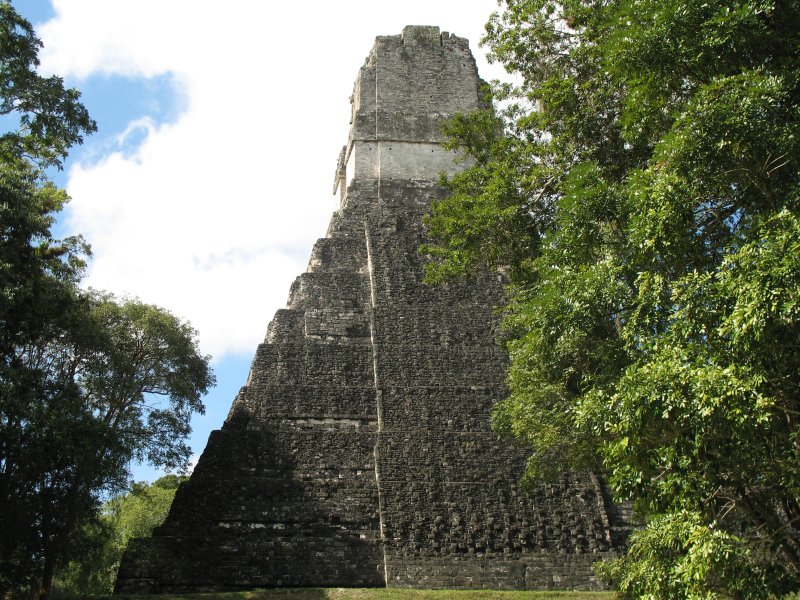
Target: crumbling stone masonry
[{"x": 359, "y": 451}]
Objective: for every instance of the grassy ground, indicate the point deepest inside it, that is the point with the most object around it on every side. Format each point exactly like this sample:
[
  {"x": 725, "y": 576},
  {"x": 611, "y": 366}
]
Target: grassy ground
[
  {"x": 377, "y": 594},
  {"x": 370, "y": 594}
]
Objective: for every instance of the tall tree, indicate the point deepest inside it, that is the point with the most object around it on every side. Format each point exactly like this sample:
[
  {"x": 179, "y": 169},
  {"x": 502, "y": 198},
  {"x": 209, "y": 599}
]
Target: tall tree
[
  {"x": 81, "y": 379},
  {"x": 87, "y": 383},
  {"x": 89, "y": 403},
  {"x": 643, "y": 200},
  {"x": 38, "y": 279}
]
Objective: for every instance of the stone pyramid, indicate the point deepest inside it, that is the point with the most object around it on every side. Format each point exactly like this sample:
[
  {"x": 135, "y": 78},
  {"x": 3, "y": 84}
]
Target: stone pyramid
[{"x": 359, "y": 452}]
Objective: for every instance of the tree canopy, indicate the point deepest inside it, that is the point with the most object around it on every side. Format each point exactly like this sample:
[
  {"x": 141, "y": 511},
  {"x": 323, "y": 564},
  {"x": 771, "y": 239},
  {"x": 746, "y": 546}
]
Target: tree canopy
[
  {"x": 639, "y": 187},
  {"x": 51, "y": 119},
  {"x": 87, "y": 382},
  {"x": 133, "y": 514}
]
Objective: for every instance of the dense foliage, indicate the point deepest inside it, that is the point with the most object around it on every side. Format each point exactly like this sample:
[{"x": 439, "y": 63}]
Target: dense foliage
[
  {"x": 639, "y": 187},
  {"x": 51, "y": 119},
  {"x": 134, "y": 514},
  {"x": 87, "y": 382}
]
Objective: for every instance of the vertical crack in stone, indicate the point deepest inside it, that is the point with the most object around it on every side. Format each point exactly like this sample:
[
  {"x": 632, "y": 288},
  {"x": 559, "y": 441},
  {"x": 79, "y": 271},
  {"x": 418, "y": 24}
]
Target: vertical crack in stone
[
  {"x": 378, "y": 396},
  {"x": 377, "y": 123}
]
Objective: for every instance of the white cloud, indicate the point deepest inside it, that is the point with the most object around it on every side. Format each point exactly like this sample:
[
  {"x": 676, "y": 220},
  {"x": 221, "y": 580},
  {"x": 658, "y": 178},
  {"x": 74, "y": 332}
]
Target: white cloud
[{"x": 214, "y": 214}]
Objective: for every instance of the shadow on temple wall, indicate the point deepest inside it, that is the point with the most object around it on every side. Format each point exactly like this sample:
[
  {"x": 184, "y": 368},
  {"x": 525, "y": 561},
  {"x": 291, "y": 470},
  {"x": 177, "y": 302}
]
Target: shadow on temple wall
[{"x": 259, "y": 512}]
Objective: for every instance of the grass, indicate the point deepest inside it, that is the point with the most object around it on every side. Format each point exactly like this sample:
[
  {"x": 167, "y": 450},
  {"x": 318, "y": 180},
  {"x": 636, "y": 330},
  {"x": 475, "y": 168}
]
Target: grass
[{"x": 370, "y": 594}]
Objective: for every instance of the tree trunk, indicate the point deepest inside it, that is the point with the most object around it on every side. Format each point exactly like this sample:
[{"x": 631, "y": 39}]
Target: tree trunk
[{"x": 47, "y": 577}]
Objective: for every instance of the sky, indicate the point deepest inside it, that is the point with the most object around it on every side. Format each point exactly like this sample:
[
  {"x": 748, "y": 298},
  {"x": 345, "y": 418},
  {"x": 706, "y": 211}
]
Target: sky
[{"x": 220, "y": 125}]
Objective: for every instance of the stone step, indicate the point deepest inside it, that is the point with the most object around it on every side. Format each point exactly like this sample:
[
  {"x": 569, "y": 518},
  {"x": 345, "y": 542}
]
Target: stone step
[
  {"x": 452, "y": 409},
  {"x": 459, "y": 322},
  {"x": 434, "y": 364},
  {"x": 231, "y": 454},
  {"x": 306, "y": 362},
  {"x": 335, "y": 289},
  {"x": 338, "y": 325},
  {"x": 335, "y": 557},
  {"x": 277, "y": 402},
  {"x": 447, "y": 456},
  {"x": 440, "y": 518},
  {"x": 339, "y": 253}
]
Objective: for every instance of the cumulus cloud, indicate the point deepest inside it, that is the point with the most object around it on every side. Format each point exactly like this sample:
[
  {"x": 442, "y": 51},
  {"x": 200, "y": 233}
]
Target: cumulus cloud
[{"x": 213, "y": 214}]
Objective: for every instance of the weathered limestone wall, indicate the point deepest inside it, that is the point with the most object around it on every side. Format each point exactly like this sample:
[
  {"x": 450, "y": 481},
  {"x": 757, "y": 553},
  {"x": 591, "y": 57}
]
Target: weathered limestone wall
[
  {"x": 453, "y": 513},
  {"x": 410, "y": 83},
  {"x": 359, "y": 452},
  {"x": 391, "y": 160},
  {"x": 408, "y": 86}
]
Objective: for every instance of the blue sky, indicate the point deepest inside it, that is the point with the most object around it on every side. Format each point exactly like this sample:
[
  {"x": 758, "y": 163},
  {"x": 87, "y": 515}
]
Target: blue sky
[
  {"x": 210, "y": 176},
  {"x": 113, "y": 100}
]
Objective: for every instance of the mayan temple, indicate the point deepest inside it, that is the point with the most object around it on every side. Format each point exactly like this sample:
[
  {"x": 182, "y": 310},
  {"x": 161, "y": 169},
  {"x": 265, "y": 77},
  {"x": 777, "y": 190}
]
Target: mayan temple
[{"x": 359, "y": 452}]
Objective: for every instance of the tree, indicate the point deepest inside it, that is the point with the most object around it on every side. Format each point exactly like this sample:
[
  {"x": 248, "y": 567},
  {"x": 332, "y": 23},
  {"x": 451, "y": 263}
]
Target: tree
[
  {"x": 89, "y": 404},
  {"x": 97, "y": 408},
  {"x": 51, "y": 119},
  {"x": 643, "y": 199},
  {"x": 87, "y": 382},
  {"x": 38, "y": 278},
  {"x": 134, "y": 514}
]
